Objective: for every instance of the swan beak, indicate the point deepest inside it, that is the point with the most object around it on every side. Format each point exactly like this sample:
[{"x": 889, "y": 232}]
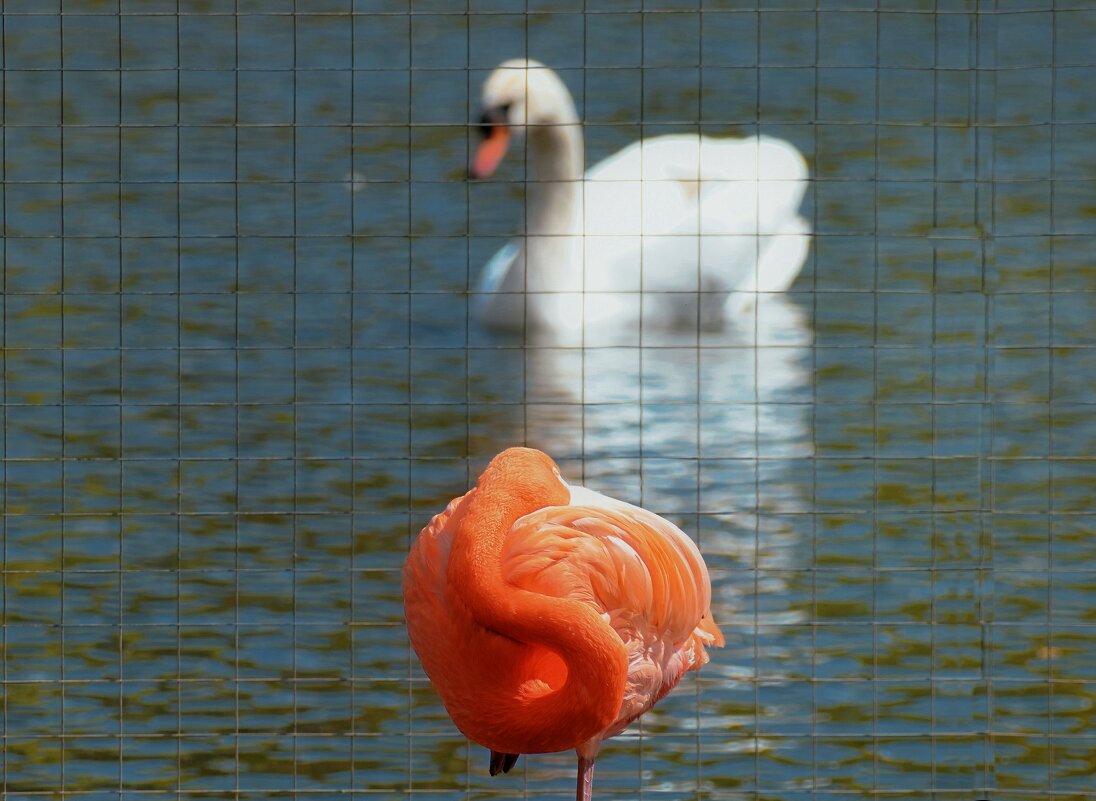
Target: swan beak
[{"x": 490, "y": 152}]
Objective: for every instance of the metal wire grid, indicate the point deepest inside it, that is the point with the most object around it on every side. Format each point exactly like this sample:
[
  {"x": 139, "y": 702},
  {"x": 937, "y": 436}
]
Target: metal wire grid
[{"x": 100, "y": 753}]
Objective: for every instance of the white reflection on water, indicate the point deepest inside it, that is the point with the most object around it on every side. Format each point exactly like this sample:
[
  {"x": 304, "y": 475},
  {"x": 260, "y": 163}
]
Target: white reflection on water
[{"x": 727, "y": 394}]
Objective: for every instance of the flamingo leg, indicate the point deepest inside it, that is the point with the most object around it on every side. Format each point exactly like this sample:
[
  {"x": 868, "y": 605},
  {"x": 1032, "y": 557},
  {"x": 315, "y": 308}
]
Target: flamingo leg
[{"x": 585, "y": 789}]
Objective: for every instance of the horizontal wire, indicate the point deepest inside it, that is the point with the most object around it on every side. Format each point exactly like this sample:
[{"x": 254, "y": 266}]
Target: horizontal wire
[
  {"x": 1060, "y": 5},
  {"x": 461, "y": 68},
  {"x": 691, "y": 126}
]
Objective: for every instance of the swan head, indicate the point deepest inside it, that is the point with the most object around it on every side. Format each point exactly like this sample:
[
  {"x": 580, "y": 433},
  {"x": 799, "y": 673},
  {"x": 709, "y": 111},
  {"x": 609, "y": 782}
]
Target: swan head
[{"x": 518, "y": 94}]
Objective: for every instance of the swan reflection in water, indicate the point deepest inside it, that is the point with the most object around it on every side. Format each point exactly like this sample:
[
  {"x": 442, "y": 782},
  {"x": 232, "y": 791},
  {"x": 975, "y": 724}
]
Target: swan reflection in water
[{"x": 725, "y": 396}]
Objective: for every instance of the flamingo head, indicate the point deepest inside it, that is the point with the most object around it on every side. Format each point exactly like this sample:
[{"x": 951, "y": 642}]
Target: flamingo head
[{"x": 530, "y": 477}]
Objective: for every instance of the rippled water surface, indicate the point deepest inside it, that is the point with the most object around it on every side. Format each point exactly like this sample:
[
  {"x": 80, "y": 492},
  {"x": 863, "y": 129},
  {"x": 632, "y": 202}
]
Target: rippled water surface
[{"x": 239, "y": 375}]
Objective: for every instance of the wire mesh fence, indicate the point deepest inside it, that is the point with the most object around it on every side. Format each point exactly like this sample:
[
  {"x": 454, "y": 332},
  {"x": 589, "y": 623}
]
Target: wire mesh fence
[{"x": 241, "y": 370}]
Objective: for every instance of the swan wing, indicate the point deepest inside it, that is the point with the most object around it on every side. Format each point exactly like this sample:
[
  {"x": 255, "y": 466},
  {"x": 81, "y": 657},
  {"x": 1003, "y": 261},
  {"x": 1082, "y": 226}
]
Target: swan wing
[
  {"x": 695, "y": 157},
  {"x": 496, "y": 269},
  {"x": 689, "y": 183},
  {"x": 498, "y": 298},
  {"x": 671, "y": 206}
]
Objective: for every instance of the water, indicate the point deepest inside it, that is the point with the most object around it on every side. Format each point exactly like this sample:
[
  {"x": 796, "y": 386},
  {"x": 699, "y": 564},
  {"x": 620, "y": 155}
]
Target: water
[{"x": 239, "y": 375}]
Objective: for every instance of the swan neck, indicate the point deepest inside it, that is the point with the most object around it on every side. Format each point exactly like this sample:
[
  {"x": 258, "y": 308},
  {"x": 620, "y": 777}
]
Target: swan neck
[
  {"x": 554, "y": 191},
  {"x": 556, "y": 151}
]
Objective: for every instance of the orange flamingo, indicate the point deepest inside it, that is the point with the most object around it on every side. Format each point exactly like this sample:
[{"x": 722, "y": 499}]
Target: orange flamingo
[{"x": 549, "y": 617}]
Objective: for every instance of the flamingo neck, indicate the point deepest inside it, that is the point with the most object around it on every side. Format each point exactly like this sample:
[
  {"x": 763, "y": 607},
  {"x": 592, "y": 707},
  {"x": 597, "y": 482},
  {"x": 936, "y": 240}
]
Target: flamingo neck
[{"x": 546, "y": 719}]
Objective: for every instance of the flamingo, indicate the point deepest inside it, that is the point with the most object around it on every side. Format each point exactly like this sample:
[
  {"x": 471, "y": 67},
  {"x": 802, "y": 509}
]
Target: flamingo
[
  {"x": 672, "y": 231},
  {"x": 548, "y": 616}
]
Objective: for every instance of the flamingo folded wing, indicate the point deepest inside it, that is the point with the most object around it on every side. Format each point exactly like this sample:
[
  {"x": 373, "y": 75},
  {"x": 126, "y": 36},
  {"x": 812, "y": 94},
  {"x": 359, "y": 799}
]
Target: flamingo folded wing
[{"x": 641, "y": 573}]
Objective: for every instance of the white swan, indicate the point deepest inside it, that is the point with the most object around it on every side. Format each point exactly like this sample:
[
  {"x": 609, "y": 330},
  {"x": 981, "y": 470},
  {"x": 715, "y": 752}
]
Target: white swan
[{"x": 674, "y": 231}]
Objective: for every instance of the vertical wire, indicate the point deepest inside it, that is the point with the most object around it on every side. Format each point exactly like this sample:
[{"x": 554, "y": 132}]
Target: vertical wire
[
  {"x": 351, "y": 625},
  {"x": 642, "y": 294},
  {"x": 875, "y": 414},
  {"x": 410, "y": 389},
  {"x": 121, "y": 431},
  {"x": 642, "y": 288},
  {"x": 933, "y": 524},
  {"x": 3, "y": 374},
  {"x": 467, "y": 267},
  {"x": 296, "y": 405},
  {"x": 525, "y": 327},
  {"x": 582, "y": 217},
  {"x": 985, "y": 460},
  {"x": 755, "y": 352},
  {"x": 178, "y": 412},
  {"x": 4, "y": 394},
  {"x": 64, "y": 406},
  {"x": 582, "y": 272},
  {"x": 467, "y": 253},
  {"x": 699, "y": 353},
  {"x": 756, "y": 562},
  {"x": 236, "y": 367},
  {"x": 814, "y": 426},
  {"x": 1050, "y": 408},
  {"x": 582, "y": 350}
]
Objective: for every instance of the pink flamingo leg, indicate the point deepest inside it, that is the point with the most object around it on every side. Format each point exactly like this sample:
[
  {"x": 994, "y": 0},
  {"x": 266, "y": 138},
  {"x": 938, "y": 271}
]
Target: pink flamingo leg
[{"x": 585, "y": 789}]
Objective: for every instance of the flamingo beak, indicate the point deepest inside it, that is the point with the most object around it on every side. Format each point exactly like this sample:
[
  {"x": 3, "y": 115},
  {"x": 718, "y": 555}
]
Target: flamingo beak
[{"x": 496, "y": 138}]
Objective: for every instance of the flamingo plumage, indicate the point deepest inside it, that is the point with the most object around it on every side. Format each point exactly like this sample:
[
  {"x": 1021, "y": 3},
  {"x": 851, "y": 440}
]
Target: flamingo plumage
[{"x": 549, "y": 617}]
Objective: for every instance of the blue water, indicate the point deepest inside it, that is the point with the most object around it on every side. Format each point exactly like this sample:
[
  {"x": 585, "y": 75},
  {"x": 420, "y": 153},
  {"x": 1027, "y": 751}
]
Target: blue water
[{"x": 239, "y": 375}]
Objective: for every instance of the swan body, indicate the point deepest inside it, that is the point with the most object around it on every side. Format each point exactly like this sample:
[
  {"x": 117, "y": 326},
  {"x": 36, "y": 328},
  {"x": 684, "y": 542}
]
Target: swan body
[
  {"x": 549, "y": 617},
  {"x": 673, "y": 231}
]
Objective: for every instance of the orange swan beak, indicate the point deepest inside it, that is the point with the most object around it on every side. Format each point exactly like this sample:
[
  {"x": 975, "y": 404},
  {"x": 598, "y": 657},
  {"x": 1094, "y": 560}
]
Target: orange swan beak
[{"x": 490, "y": 152}]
